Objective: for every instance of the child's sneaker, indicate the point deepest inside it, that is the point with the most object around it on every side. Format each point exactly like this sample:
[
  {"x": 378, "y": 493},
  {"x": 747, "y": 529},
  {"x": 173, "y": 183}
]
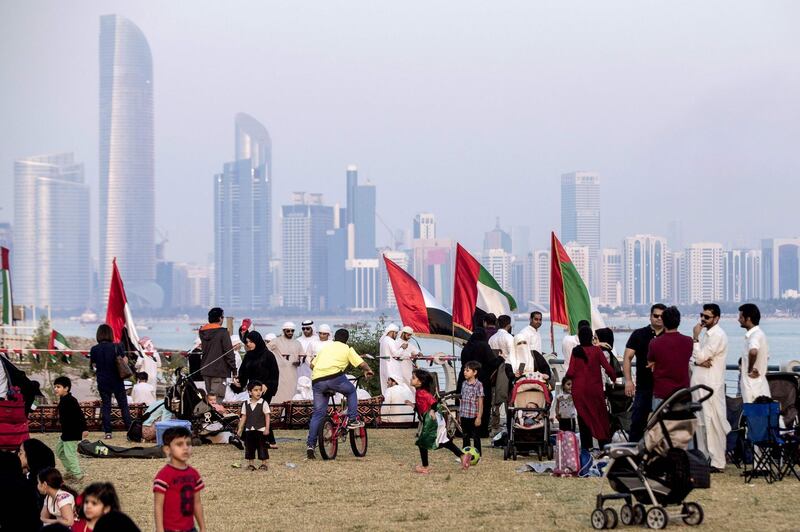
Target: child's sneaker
[
  {"x": 422, "y": 470},
  {"x": 466, "y": 458}
]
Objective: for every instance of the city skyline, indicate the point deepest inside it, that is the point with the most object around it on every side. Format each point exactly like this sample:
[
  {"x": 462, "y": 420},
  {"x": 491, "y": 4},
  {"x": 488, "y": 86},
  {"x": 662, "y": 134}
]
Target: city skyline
[{"x": 662, "y": 125}]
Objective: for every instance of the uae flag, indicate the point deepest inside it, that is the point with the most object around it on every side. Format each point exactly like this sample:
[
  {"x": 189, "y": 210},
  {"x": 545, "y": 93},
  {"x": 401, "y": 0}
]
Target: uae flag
[
  {"x": 59, "y": 343},
  {"x": 569, "y": 299},
  {"x": 118, "y": 313},
  {"x": 6, "y": 311},
  {"x": 418, "y": 308},
  {"x": 476, "y": 293}
]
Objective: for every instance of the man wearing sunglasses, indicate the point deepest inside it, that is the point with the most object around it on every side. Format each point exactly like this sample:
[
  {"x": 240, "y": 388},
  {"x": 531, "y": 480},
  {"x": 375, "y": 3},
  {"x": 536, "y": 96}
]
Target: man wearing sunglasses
[
  {"x": 290, "y": 351},
  {"x": 307, "y": 339},
  {"x": 709, "y": 353},
  {"x": 642, "y": 392}
]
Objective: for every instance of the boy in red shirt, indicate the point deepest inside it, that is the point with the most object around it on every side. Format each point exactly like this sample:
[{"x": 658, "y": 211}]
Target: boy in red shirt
[{"x": 177, "y": 486}]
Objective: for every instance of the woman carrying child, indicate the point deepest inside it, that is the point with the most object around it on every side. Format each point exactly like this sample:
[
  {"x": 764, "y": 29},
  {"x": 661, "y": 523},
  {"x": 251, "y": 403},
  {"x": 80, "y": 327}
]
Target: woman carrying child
[
  {"x": 59, "y": 500},
  {"x": 432, "y": 433}
]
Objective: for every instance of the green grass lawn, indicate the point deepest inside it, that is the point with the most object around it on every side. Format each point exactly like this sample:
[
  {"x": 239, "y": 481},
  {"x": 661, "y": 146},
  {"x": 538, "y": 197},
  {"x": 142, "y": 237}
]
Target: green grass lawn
[{"x": 380, "y": 492}]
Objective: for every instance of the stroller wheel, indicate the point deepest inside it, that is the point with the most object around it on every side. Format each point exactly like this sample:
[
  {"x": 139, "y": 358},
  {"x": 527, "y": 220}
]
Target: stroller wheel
[
  {"x": 611, "y": 518},
  {"x": 657, "y": 518},
  {"x": 638, "y": 513},
  {"x": 626, "y": 514},
  {"x": 692, "y": 513},
  {"x": 598, "y": 519}
]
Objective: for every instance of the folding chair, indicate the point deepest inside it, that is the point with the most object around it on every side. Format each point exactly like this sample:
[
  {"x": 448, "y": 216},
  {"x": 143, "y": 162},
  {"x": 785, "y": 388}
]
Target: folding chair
[{"x": 762, "y": 433}]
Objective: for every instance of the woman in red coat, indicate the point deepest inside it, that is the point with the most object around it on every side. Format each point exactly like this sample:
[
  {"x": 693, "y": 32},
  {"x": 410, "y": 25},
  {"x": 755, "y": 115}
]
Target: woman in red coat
[{"x": 587, "y": 390}]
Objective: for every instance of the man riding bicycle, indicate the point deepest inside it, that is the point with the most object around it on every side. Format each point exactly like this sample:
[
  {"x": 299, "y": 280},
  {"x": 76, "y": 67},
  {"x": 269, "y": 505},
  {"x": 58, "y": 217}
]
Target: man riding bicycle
[{"x": 327, "y": 376}]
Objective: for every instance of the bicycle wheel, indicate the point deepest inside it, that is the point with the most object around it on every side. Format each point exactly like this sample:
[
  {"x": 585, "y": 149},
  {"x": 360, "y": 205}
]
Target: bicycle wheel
[
  {"x": 358, "y": 441},
  {"x": 328, "y": 440}
]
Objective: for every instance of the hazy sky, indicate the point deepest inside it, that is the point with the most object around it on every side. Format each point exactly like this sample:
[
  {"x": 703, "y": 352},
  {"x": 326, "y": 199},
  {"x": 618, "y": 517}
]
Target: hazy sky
[{"x": 471, "y": 110}]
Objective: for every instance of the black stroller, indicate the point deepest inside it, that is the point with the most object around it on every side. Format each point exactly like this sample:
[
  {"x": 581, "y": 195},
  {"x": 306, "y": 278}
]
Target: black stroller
[
  {"x": 187, "y": 401},
  {"x": 658, "y": 471}
]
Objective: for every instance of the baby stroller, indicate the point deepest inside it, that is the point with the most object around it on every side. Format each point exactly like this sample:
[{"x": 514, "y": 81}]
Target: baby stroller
[
  {"x": 620, "y": 409},
  {"x": 527, "y": 420},
  {"x": 658, "y": 471},
  {"x": 186, "y": 401}
]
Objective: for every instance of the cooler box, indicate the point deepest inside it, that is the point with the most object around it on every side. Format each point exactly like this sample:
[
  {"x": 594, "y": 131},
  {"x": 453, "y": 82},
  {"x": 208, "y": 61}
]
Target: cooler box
[{"x": 161, "y": 426}]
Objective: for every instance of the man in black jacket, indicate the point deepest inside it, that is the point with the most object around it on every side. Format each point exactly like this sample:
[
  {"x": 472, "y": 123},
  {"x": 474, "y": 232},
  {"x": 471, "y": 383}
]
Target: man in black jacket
[
  {"x": 218, "y": 362},
  {"x": 73, "y": 428}
]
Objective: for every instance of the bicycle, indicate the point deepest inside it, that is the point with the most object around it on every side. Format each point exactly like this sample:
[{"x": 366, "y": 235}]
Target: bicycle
[{"x": 334, "y": 429}]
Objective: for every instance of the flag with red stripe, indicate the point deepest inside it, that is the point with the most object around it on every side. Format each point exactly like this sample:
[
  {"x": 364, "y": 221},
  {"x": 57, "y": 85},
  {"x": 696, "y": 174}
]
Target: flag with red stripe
[
  {"x": 418, "y": 308},
  {"x": 118, "y": 313}
]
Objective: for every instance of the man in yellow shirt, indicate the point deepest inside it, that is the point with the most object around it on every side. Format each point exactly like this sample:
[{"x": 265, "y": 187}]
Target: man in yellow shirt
[{"x": 327, "y": 375}]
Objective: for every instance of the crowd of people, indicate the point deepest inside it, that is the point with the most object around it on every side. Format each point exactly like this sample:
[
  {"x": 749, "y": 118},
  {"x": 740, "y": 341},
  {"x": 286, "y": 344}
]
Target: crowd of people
[{"x": 491, "y": 362}]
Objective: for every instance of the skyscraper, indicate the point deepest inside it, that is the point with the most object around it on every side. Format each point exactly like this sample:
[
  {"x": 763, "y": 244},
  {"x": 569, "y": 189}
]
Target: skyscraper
[
  {"x": 610, "y": 277},
  {"x": 580, "y": 216},
  {"x": 243, "y": 220},
  {"x": 541, "y": 276},
  {"x": 781, "y": 266},
  {"x": 127, "y": 193},
  {"x": 705, "y": 272},
  {"x": 361, "y": 214},
  {"x": 581, "y": 259},
  {"x": 497, "y": 239},
  {"x": 52, "y": 218},
  {"x": 304, "y": 230},
  {"x": 498, "y": 263},
  {"x": 425, "y": 226},
  {"x": 645, "y": 269}
]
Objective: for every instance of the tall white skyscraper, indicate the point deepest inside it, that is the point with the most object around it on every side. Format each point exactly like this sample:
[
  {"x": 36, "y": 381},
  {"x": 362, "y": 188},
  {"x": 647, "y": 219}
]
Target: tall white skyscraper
[
  {"x": 127, "y": 189},
  {"x": 610, "y": 277},
  {"x": 243, "y": 220},
  {"x": 541, "y": 276},
  {"x": 425, "y": 226},
  {"x": 498, "y": 263},
  {"x": 581, "y": 259},
  {"x": 580, "y": 217},
  {"x": 645, "y": 274},
  {"x": 705, "y": 272},
  {"x": 52, "y": 218}
]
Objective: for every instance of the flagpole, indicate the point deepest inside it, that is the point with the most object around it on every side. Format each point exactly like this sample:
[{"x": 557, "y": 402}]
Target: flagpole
[{"x": 552, "y": 338}]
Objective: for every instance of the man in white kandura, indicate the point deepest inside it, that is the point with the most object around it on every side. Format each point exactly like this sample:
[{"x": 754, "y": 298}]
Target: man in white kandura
[
  {"x": 306, "y": 340},
  {"x": 387, "y": 348},
  {"x": 400, "y": 363},
  {"x": 531, "y": 332},
  {"x": 709, "y": 353},
  {"x": 755, "y": 357}
]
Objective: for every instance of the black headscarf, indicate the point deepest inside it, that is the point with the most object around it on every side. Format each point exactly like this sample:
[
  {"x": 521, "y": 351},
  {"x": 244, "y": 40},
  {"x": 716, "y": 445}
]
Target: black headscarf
[
  {"x": 19, "y": 496},
  {"x": 38, "y": 456},
  {"x": 477, "y": 349},
  {"x": 605, "y": 335},
  {"x": 259, "y": 364}
]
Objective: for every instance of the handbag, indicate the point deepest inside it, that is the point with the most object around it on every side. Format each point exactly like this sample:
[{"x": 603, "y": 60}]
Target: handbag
[{"x": 123, "y": 368}]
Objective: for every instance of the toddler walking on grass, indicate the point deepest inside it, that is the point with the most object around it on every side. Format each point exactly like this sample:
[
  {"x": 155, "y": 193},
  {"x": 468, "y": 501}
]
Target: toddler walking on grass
[
  {"x": 432, "y": 433},
  {"x": 254, "y": 424}
]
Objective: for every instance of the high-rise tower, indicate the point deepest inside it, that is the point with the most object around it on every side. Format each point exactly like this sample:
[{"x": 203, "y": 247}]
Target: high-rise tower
[
  {"x": 127, "y": 189},
  {"x": 243, "y": 220}
]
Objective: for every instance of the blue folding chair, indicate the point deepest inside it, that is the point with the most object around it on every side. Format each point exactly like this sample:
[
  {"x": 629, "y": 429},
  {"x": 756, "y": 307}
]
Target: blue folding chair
[{"x": 763, "y": 439}]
